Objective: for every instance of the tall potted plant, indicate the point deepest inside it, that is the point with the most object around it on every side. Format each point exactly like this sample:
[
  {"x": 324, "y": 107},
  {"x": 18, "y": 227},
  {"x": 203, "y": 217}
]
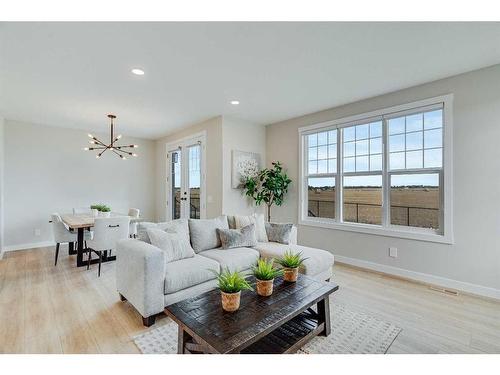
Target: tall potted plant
[{"x": 269, "y": 186}]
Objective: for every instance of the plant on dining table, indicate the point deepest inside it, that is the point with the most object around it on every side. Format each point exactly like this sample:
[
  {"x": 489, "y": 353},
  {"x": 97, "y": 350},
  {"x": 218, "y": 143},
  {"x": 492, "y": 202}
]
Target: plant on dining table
[{"x": 100, "y": 208}]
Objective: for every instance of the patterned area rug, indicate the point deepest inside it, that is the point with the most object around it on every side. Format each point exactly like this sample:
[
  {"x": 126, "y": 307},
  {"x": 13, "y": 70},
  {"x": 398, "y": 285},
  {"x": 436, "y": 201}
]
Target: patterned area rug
[{"x": 353, "y": 332}]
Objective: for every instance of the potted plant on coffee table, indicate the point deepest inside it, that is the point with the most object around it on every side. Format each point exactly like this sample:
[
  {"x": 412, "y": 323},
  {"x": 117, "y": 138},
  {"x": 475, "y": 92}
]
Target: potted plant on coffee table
[
  {"x": 265, "y": 273},
  {"x": 231, "y": 284},
  {"x": 291, "y": 262}
]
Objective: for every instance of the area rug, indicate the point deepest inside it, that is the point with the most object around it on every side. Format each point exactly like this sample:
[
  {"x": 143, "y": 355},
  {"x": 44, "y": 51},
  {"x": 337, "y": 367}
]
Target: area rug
[{"x": 353, "y": 332}]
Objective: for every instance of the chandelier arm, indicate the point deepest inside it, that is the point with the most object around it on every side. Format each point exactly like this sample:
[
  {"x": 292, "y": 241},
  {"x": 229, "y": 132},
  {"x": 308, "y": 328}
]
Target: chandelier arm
[
  {"x": 120, "y": 155},
  {"x": 125, "y": 152},
  {"x": 102, "y": 152},
  {"x": 99, "y": 142}
]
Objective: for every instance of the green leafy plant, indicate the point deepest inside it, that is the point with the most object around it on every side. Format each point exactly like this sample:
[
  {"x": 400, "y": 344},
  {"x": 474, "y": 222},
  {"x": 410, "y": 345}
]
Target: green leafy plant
[
  {"x": 264, "y": 270},
  {"x": 269, "y": 186},
  {"x": 100, "y": 207},
  {"x": 291, "y": 259},
  {"x": 232, "y": 282}
]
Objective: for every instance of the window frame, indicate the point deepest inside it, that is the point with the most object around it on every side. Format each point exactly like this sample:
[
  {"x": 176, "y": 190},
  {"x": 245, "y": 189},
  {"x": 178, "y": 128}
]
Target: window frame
[{"x": 444, "y": 235}]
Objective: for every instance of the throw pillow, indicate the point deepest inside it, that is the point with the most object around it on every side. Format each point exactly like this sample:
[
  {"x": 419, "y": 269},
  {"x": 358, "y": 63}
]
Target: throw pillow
[
  {"x": 142, "y": 231},
  {"x": 174, "y": 226},
  {"x": 203, "y": 232},
  {"x": 244, "y": 237},
  {"x": 257, "y": 220},
  {"x": 279, "y": 232},
  {"x": 174, "y": 245}
]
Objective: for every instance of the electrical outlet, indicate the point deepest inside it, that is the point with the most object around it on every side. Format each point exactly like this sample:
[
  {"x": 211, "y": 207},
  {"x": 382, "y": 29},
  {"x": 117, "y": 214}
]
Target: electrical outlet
[
  {"x": 393, "y": 252},
  {"x": 38, "y": 232}
]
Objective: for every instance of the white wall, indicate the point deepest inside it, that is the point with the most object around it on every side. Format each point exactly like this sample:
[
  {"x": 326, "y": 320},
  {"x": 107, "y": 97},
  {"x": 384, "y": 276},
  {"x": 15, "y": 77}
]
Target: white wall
[
  {"x": 213, "y": 129},
  {"x": 472, "y": 263},
  {"x": 46, "y": 171},
  {"x": 242, "y": 136},
  {"x": 1, "y": 182}
]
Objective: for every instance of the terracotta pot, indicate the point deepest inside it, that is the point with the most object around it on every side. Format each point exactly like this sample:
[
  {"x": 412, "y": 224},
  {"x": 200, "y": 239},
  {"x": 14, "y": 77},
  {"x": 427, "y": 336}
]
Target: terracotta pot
[
  {"x": 230, "y": 301},
  {"x": 290, "y": 274},
  {"x": 265, "y": 287}
]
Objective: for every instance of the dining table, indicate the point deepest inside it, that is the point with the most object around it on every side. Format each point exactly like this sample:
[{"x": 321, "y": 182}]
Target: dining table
[{"x": 82, "y": 222}]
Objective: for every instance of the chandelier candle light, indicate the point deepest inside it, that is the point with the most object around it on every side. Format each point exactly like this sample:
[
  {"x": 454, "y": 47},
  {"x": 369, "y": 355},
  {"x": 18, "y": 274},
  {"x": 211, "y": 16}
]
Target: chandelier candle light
[{"x": 101, "y": 147}]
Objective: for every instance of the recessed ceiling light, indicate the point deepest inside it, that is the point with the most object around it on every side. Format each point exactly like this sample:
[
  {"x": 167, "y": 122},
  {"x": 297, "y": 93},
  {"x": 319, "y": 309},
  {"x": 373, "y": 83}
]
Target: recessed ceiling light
[
  {"x": 235, "y": 102},
  {"x": 138, "y": 72}
]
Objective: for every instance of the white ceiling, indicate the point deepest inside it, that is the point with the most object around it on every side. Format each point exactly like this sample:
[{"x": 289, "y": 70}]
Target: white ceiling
[{"x": 73, "y": 74}]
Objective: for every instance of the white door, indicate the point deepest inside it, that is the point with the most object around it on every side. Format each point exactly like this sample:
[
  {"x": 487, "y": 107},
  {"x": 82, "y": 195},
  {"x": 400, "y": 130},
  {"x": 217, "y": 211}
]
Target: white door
[{"x": 186, "y": 179}]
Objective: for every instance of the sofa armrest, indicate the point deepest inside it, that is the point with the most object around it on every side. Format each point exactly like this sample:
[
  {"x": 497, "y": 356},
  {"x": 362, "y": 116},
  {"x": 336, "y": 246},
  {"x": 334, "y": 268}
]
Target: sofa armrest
[{"x": 140, "y": 275}]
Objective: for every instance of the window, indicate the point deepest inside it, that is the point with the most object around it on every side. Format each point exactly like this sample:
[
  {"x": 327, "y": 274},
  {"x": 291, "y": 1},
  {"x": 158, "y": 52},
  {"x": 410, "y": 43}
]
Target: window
[
  {"x": 322, "y": 172},
  {"x": 386, "y": 168}
]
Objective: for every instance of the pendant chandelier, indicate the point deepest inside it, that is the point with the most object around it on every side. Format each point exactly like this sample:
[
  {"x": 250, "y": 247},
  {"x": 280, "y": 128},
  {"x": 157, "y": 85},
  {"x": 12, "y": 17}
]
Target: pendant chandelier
[{"x": 101, "y": 147}]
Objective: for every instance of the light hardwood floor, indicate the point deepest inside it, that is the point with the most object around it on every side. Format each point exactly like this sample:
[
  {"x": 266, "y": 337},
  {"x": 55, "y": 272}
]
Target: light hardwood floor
[{"x": 64, "y": 309}]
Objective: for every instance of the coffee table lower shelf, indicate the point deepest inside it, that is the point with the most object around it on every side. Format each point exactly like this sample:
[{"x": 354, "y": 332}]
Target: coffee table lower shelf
[{"x": 289, "y": 337}]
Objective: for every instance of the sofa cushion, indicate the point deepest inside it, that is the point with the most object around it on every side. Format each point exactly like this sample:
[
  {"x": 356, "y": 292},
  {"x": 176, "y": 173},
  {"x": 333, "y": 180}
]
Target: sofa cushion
[
  {"x": 189, "y": 272},
  {"x": 243, "y": 237},
  {"x": 203, "y": 232},
  {"x": 237, "y": 259},
  {"x": 175, "y": 245},
  {"x": 318, "y": 260},
  {"x": 257, "y": 220}
]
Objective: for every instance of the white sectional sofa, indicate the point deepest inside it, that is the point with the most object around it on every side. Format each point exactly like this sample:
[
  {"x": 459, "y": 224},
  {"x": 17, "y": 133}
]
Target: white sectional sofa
[{"x": 149, "y": 283}]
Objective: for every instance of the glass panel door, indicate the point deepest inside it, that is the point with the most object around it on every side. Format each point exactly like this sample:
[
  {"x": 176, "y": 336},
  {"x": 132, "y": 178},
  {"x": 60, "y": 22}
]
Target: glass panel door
[
  {"x": 175, "y": 184},
  {"x": 194, "y": 176},
  {"x": 185, "y": 185}
]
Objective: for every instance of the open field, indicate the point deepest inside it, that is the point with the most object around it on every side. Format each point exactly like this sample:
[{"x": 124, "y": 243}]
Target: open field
[{"x": 414, "y": 206}]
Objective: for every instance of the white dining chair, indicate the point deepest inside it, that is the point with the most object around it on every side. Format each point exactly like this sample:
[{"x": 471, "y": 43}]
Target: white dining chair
[
  {"x": 107, "y": 231},
  {"x": 82, "y": 211},
  {"x": 62, "y": 234},
  {"x": 133, "y": 212}
]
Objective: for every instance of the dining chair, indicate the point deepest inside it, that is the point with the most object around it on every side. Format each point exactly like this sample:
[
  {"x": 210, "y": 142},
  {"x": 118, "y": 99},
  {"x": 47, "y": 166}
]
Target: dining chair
[
  {"x": 107, "y": 231},
  {"x": 82, "y": 210},
  {"x": 62, "y": 234},
  {"x": 133, "y": 212}
]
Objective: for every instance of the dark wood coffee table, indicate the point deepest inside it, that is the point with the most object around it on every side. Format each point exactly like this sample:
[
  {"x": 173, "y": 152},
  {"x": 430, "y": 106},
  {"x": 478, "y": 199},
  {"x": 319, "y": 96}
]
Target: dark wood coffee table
[{"x": 281, "y": 323}]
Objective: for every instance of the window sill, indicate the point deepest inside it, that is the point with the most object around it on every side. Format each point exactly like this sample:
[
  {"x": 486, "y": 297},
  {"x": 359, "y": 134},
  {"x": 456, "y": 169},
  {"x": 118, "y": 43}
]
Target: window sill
[{"x": 419, "y": 234}]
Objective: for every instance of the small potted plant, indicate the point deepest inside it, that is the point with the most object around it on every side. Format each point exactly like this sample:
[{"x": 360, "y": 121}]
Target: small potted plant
[
  {"x": 231, "y": 284},
  {"x": 102, "y": 209},
  {"x": 265, "y": 273},
  {"x": 291, "y": 262}
]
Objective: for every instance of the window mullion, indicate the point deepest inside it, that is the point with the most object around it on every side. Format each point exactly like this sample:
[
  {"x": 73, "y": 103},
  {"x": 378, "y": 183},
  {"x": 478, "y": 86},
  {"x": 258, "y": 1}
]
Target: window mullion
[
  {"x": 386, "y": 211},
  {"x": 339, "y": 179}
]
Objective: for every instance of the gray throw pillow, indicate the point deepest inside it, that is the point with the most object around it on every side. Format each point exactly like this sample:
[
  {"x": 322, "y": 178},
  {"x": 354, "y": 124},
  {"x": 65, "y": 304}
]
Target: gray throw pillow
[
  {"x": 279, "y": 232},
  {"x": 175, "y": 245},
  {"x": 203, "y": 232},
  {"x": 174, "y": 226},
  {"x": 243, "y": 237}
]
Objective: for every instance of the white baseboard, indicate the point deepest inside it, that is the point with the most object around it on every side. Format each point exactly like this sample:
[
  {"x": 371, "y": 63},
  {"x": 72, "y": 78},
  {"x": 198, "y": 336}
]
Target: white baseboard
[
  {"x": 479, "y": 290},
  {"x": 25, "y": 246}
]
